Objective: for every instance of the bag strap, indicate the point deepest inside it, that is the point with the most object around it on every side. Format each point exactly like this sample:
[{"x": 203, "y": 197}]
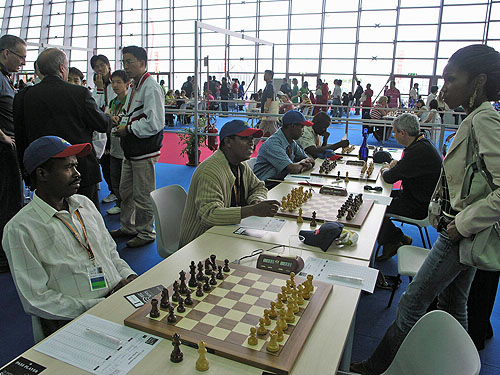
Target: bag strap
[{"x": 480, "y": 166}]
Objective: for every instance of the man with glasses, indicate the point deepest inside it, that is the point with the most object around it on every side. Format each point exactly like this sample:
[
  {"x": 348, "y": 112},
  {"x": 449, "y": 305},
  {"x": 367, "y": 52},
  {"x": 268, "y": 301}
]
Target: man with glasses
[
  {"x": 12, "y": 58},
  {"x": 141, "y": 133},
  {"x": 57, "y": 107},
  {"x": 281, "y": 154}
]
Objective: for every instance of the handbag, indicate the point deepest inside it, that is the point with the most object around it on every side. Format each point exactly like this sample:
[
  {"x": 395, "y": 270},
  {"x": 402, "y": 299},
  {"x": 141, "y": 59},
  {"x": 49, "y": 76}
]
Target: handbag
[
  {"x": 482, "y": 249},
  {"x": 363, "y": 97}
]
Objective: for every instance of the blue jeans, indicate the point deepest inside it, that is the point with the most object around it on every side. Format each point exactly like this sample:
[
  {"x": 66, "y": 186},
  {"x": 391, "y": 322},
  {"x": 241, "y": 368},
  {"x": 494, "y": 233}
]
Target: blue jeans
[
  {"x": 336, "y": 111},
  {"x": 443, "y": 276}
]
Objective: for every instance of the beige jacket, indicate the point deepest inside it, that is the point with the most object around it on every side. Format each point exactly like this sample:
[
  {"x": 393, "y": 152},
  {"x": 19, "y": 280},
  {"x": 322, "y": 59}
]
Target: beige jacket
[{"x": 473, "y": 218}]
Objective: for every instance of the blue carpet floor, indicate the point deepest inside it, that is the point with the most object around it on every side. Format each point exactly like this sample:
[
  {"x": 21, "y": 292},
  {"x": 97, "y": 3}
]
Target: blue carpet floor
[{"x": 372, "y": 317}]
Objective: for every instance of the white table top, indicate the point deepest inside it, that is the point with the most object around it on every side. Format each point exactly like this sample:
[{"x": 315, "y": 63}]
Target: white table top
[{"x": 315, "y": 358}]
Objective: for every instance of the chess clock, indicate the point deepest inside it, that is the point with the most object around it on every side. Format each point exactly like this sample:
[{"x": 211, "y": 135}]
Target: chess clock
[{"x": 279, "y": 263}]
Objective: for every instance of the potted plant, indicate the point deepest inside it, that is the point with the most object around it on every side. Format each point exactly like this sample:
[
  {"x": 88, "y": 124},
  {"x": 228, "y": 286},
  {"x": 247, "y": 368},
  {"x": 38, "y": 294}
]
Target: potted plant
[{"x": 188, "y": 141}]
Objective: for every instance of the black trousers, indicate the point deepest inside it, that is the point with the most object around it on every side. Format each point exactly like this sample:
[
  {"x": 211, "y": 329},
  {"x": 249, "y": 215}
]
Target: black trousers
[
  {"x": 106, "y": 169},
  {"x": 91, "y": 193}
]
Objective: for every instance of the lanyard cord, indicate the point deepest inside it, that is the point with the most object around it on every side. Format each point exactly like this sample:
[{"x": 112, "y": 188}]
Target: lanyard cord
[
  {"x": 75, "y": 234},
  {"x": 116, "y": 108},
  {"x": 237, "y": 192}
]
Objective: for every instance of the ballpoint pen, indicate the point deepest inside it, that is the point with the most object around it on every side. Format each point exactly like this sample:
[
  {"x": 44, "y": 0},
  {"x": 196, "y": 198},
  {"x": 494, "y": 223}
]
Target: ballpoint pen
[{"x": 346, "y": 278}]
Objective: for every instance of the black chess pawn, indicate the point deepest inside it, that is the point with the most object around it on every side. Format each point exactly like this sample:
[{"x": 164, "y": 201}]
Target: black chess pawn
[
  {"x": 208, "y": 267},
  {"x": 199, "y": 291},
  {"x": 164, "y": 303},
  {"x": 176, "y": 356},
  {"x": 206, "y": 286},
  {"x": 176, "y": 295},
  {"x": 154, "y": 313},
  {"x": 219, "y": 275},
  {"x": 192, "y": 266},
  {"x": 188, "y": 301},
  {"x": 180, "y": 307},
  {"x": 200, "y": 275},
  {"x": 171, "y": 315},
  {"x": 212, "y": 259},
  {"x": 192, "y": 280},
  {"x": 213, "y": 280},
  {"x": 226, "y": 266},
  {"x": 183, "y": 287}
]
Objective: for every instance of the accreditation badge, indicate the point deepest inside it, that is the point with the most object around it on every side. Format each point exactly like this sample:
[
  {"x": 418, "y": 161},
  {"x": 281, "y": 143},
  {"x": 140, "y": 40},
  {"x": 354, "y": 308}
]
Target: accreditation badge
[
  {"x": 97, "y": 278},
  {"x": 124, "y": 120}
]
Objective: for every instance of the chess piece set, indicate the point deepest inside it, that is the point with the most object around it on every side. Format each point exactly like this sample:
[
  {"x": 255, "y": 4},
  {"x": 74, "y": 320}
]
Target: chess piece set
[
  {"x": 177, "y": 356},
  {"x": 348, "y": 149},
  {"x": 295, "y": 198},
  {"x": 283, "y": 310},
  {"x": 368, "y": 168},
  {"x": 327, "y": 166},
  {"x": 350, "y": 206}
]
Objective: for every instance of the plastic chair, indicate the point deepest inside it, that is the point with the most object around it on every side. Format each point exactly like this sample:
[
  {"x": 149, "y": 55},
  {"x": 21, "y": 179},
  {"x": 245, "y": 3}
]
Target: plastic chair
[
  {"x": 181, "y": 115},
  {"x": 168, "y": 206},
  {"x": 420, "y": 223},
  {"x": 251, "y": 162},
  {"x": 410, "y": 259},
  {"x": 37, "y": 329},
  {"x": 436, "y": 345}
]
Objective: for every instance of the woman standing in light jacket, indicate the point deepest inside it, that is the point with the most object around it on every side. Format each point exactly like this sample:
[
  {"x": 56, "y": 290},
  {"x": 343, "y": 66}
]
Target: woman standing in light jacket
[{"x": 472, "y": 80}]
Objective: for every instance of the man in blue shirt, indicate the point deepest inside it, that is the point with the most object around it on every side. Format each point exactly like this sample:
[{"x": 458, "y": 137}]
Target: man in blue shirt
[
  {"x": 267, "y": 124},
  {"x": 280, "y": 154}
]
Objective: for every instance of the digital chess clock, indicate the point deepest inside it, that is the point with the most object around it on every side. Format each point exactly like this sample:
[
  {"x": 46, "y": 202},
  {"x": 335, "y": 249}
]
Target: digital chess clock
[{"x": 280, "y": 263}]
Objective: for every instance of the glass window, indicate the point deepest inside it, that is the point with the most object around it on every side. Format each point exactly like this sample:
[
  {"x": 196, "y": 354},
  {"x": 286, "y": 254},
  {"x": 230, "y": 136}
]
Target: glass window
[
  {"x": 473, "y": 31},
  {"x": 185, "y": 13},
  {"x": 131, "y": 16},
  {"x": 305, "y": 36},
  {"x": 131, "y": 29},
  {"x": 339, "y": 35},
  {"x": 418, "y": 16},
  {"x": 446, "y": 2},
  {"x": 278, "y": 36},
  {"x": 103, "y": 30},
  {"x": 243, "y": 9},
  {"x": 56, "y": 32},
  {"x": 306, "y": 21},
  {"x": 339, "y": 6},
  {"x": 17, "y": 11},
  {"x": 464, "y": 13},
  {"x": 16, "y": 31},
  {"x": 341, "y": 19},
  {"x": 132, "y": 4},
  {"x": 274, "y": 23},
  {"x": 109, "y": 53},
  {"x": 301, "y": 6},
  {"x": 338, "y": 50},
  {"x": 132, "y": 40},
  {"x": 415, "y": 50},
  {"x": 105, "y": 5},
  {"x": 337, "y": 66},
  {"x": 305, "y": 51},
  {"x": 420, "y": 3},
  {"x": 245, "y": 51},
  {"x": 83, "y": 18},
  {"x": 105, "y": 41},
  {"x": 377, "y": 34},
  {"x": 368, "y": 66},
  {"x": 184, "y": 27},
  {"x": 58, "y": 8},
  {"x": 214, "y": 11},
  {"x": 79, "y": 42},
  {"x": 183, "y": 39},
  {"x": 34, "y": 32},
  {"x": 81, "y": 6},
  {"x": 265, "y": 52},
  {"x": 421, "y": 67},
  {"x": 184, "y": 53},
  {"x": 495, "y": 11},
  {"x": 303, "y": 65},
  {"x": 494, "y": 30},
  {"x": 80, "y": 31},
  {"x": 383, "y": 18},
  {"x": 380, "y": 4},
  {"x": 379, "y": 50},
  {"x": 215, "y": 52},
  {"x": 274, "y": 7},
  {"x": 417, "y": 32},
  {"x": 245, "y": 25},
  {"x": 57, "y": 20},
  {"x": 36, "y": 10},
  {"x": 446, "y": 49},
  {"x": 15, "y": 22}
]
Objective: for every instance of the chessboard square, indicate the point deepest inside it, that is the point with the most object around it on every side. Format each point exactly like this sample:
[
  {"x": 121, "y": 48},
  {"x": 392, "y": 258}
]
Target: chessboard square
[
  {"x": 254, "y": 292},
  {"x": 274, "y": 289},
  {"x": 212, "y": 299},
  {"x": 250, "y": 319},
  {"x": 278, "y": 282},
  {"x": 226, "y": 285},
  {"x": 234, "y": 295},
  {"x": 205, "y": 307},
  {"x": 202, "y": 328},
  {"x": 269, "y": 279},
  {"x": 163, "y": 314},
  {"x": 256, "y": 310},
  {"x": 195, "y": 315},
  {"x": 248, "y": 299},
  {"x": 227, "y": 323},
  {"x": 233, "y": 279},
  {"x": 240, "y": 306},
  {"x": 219, "y": 292},
  {"x": 269, "y": 295},
  {"x": 240, "y": 289},
  {"x": 239, "y": 273},
  {"x": 260, "y": 285},
  {"x": 183, "y": 313},
  {"x": 264, "y": 303},
  {"x": 187, "y": 324},
  {"x": 211, "y": 319},
  {"x": 228, "y": 303},
  {"x": 234, "y": 315},
  {"x": 219, "y": 333},
  {"x": 237, "y": 338},
  {"x": 219, "y": 310},
  {"x": 242, "y": 328},
  {"x": 258, "y": 347},
  {"x": 246, "y": 282},
  {"x": 252, "y": 276}
]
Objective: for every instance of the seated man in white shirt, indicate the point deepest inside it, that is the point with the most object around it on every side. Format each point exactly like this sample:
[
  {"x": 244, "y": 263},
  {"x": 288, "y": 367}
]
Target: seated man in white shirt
[
  {"x": 312, "y": 144},
  {"x": 62, "y": 258}
]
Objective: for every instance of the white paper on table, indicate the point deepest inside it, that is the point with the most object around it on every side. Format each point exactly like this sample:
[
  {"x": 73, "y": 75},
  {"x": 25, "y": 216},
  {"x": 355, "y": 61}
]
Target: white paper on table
[
  {"x": 306, "y": 179},
  {"x": 378, "y": 198},
  {"x": 73, "y": 345},
  {"x": 321, "y": 268},
  {"x": 270, "y": 224}
]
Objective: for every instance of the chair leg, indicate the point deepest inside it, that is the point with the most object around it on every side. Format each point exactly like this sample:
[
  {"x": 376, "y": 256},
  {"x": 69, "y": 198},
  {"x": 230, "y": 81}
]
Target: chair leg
[
  {"x": 428, "y": 239},
  {"x": 378, "y": 249},
  {"x": 394, "y": 287},
  {"x": 422, "y": 237}
]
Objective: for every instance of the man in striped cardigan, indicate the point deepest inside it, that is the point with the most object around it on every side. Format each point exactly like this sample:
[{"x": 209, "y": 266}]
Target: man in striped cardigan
[{"x": 224, "y": 189}]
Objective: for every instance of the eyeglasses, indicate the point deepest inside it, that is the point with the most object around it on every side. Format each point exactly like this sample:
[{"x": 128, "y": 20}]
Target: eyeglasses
[
  {"x": 23, "y": 58},
  {"x": 128, "y": 62},
  {"x": 375, "y": 188}
]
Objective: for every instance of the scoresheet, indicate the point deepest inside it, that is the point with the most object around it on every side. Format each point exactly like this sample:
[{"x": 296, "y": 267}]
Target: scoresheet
[{"x": 99, "y": 346}]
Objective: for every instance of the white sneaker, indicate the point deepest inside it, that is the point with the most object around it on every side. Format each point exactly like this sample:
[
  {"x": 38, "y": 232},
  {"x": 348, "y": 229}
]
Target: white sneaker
[
  {"x": 110, "y": 198},
  {"x": 114, "y": 210}
]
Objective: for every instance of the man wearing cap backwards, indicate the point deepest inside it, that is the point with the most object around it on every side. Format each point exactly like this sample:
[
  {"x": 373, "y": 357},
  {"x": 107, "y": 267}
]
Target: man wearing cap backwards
[
  {"x": 280, "y": 154},
  {"x": 62, "y": 257},
  {"x": 310, "y": 140},
  {"x": 223, "y": 189}
]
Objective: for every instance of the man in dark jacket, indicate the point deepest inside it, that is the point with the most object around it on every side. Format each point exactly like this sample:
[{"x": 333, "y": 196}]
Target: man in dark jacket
[{"x": 56, "y": 107}]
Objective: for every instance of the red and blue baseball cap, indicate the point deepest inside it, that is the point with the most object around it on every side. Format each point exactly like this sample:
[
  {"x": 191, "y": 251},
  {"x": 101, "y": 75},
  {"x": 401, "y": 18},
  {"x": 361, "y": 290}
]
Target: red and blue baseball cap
[
  {"x": 238, "y": 127},
  {"x": 323, "y": 236},
  {"x": 45, "y": 148},
  {"x": 295, "y": 117}
]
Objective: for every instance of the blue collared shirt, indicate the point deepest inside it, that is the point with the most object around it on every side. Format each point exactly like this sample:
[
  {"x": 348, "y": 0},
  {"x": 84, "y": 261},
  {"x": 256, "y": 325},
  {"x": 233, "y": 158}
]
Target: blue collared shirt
[{"x": 273, "y": 159}]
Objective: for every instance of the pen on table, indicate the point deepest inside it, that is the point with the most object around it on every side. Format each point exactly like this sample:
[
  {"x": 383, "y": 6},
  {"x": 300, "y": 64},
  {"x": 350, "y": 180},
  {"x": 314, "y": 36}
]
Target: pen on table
[
  {"x": 112, "y": 341},
  {"x": 346, "y": 278},
  {"x": 309, "y": 184},
  {"x": 303, "y": 177}
]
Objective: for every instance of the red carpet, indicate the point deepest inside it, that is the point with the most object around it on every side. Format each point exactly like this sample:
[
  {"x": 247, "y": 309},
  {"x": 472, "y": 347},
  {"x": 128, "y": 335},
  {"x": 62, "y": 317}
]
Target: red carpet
[{"x": 171, "y": 150}]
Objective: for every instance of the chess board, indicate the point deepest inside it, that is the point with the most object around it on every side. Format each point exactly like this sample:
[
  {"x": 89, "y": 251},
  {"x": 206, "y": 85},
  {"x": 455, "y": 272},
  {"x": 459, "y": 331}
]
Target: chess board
[
  {"x": 354, "y": 171},
  {"x": 326, "y": 207},
  {"x": 355, "y": 152},
  {"x": 223, "y": 318}
]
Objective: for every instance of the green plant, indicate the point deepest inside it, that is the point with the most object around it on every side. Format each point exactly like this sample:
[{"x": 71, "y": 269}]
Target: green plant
[{"x": 188, "y": 139}]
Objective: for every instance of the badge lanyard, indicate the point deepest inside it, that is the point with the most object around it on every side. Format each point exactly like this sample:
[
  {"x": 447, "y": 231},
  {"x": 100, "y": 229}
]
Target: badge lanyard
[
  {"x": 237, "y": 192},
  {"x": 75, "y": 234}
]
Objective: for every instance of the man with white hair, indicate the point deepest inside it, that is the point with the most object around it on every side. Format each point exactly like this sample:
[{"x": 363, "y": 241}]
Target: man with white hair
[{"x": 418, "y": 170}]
